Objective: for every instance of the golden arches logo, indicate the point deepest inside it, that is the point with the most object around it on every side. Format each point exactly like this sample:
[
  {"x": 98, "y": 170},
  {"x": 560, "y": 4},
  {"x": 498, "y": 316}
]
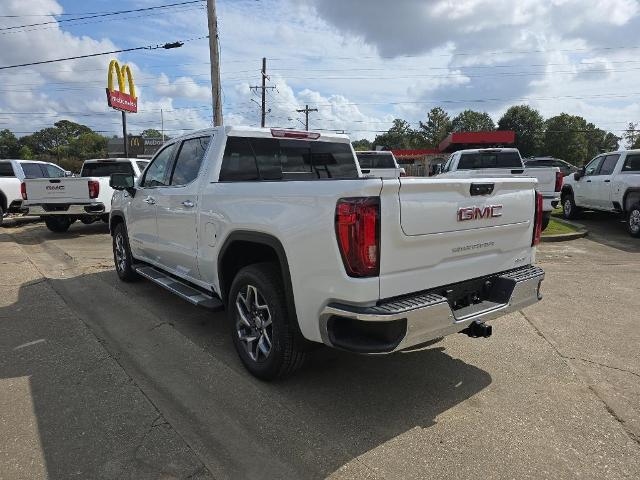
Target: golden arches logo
[{"x": 120, "y": 99}]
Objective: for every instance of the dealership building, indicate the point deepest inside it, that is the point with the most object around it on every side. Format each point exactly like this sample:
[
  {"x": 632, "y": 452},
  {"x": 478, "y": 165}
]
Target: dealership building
[{"x": 422, "y": 162}]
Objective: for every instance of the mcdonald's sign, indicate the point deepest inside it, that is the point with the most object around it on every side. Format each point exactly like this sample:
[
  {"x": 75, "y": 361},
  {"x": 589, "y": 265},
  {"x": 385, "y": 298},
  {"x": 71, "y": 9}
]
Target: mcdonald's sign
[{"x": 120, "y": 99}]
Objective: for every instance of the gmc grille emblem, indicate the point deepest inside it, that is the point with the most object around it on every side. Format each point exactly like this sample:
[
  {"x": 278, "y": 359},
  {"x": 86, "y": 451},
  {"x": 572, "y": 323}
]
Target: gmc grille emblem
[{"x": 477, "y": 213}]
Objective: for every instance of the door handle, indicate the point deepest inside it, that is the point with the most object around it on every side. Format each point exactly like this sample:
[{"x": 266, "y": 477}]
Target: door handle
[
  {"x": 607, "y": 181},
  {"x": 188, "y": 204},
  {"x": 150, "y": 200},
  {"x": 588, "y": 181}
]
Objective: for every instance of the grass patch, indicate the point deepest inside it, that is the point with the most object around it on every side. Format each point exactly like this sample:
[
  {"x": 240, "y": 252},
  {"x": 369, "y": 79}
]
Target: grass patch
[{"x": 555, "y": 227}]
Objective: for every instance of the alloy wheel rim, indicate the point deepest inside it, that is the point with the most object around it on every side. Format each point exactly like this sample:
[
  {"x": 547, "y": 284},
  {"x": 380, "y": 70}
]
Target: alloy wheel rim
[
  {"x": 567, "y": 205},
  {"x": 253, "y": 323},
  {"x": 121, "y": 256},
  {"x": 634, "y": 221}
]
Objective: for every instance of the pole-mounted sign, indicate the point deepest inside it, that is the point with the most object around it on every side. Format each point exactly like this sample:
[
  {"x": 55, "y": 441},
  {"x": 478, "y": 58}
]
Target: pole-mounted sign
[{"x": 119, "y": 99}]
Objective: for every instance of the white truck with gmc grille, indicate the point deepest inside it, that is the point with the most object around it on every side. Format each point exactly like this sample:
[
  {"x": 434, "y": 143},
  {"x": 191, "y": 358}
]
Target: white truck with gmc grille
[
  {"x": 506, "y": 162},
  {"x": 62, "y": 201},
  {"x": 280, "y": 228}
]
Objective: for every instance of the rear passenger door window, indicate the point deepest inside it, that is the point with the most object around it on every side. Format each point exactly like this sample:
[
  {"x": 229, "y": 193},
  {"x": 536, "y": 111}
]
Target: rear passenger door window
[
  {"x": 609, "y": 164},
  {"x": 631, "y": 164},
  {"x": 189, "y": 160}
]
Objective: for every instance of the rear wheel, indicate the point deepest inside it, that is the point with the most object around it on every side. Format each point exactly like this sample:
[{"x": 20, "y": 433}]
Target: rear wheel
[
  {"x": 633, "y": 220},
  {"x": 569, "y": 208},
  {"x": 546, "y": 218},
  {"x": 122, "y": 255},
  {"x": 261, "y": 324},
  {"x": 58, "y": 224}
]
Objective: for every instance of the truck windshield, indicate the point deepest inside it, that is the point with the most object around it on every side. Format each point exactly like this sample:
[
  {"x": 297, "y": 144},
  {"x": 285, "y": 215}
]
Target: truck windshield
[
  {"x": 105, "y": 169},
  {"x": 479, "y": 160},
  {"x": 376, "y": 160}
]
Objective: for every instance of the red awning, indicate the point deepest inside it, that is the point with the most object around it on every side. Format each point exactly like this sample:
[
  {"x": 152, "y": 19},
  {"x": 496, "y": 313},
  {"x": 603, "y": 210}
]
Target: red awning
[{"x": 456, "y": 141}]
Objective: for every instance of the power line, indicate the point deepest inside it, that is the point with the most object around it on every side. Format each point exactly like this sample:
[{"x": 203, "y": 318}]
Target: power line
[
  {"x": 148, "y": 47},
  {"x": 98, "y": 15}
]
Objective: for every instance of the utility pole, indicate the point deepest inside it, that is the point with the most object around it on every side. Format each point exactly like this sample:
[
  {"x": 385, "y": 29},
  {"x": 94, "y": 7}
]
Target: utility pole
[
  {"x": 263, "y": 105},
  {"x": 306, "y": 111},
  {"x": 214, "y": 56},
  {"x": 162, "y": 123}
]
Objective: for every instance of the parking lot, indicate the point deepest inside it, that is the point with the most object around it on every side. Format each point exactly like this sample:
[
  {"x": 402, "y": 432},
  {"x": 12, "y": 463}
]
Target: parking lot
[{"x": 106, "y": 380}]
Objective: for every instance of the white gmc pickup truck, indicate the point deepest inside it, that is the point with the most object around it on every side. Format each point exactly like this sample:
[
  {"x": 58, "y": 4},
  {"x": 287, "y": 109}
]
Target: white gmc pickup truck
[
  {"x": 62, "y": 201},
  {"x": 506, "y": 162},
  {"x": 13, "y": 173},
  {"x": 611, "y": 183},
  {"x": 280, "y": 227}
]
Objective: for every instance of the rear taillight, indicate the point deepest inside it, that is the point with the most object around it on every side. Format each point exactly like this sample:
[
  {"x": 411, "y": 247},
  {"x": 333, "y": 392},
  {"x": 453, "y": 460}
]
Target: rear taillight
[
  {"x": 358, "y": 232},
  {"x": 23, "y": 190},
  {"x": 94, "y": 189},
  {"x": 537, "y": 221},
  {"x": 559, "y": 180}
]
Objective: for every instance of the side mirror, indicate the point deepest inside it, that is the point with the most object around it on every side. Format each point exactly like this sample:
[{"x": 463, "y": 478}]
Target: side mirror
[
  {"x": 579, "y": 174},
  {"x": 121, "y": 181}
]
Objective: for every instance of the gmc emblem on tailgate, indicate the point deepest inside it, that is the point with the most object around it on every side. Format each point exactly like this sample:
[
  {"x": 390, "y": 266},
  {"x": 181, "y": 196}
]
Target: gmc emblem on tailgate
[
  {"x": 55, "y": 187},
  {"x": 476, "y": 213}
]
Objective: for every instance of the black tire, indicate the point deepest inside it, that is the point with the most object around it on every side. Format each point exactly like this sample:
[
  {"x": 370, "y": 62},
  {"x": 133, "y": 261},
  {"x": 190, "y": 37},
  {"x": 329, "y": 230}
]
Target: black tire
[
  {"x": 271, "y": 326},
  {"x": 1, "y": 215},
  {"x": 633, "y": 220},
  {"x": 546, "y": 218},
  {"x": 122, "y": 255},
  {"x": 569, "y": 208},
  {"x": 58, "y": 224}
]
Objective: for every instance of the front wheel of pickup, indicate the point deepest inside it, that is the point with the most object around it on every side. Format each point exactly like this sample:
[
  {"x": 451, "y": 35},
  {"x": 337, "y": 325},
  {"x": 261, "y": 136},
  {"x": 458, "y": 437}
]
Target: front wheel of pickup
[
  {"x": 58, "y": 224},
  {"x": 122, "y": 255},
  {"x": 569, "y": 208},
  {"x": 261, "y": 325}
]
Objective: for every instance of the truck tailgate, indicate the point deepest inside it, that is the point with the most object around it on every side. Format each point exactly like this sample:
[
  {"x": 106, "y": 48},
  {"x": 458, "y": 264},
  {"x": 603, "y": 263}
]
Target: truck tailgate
[
  {"x": 434, "y": 232},
  {"x": 546, "y": 178},
  {"x": 57, "y": 190}
]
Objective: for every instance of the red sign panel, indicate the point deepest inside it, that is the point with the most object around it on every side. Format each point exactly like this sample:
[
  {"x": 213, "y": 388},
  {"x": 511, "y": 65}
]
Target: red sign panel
[{"x": 122, "y": 101}]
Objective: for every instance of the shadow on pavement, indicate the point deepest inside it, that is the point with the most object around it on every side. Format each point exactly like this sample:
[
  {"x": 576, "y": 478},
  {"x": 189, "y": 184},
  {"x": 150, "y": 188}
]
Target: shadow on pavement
[
  {"x": 337, "y": 408},
  {"x": 607, "y": 229}
]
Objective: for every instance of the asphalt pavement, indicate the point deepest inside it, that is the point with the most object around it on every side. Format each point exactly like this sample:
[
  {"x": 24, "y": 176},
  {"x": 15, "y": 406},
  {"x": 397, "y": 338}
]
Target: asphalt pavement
[{"x": 100, "y": 379}]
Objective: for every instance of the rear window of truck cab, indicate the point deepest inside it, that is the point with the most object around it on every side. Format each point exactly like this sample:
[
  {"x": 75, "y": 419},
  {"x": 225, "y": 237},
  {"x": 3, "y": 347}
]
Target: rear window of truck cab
[
  {"x": 376, "y": 160},
  {"x": 480, "y": 160},
  {"x": 105, "y": 169},
  {"x": 254, "y": 159}
]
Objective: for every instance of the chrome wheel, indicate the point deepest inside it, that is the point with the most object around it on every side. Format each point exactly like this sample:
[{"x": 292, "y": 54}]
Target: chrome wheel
[
  {"x": 634, "y": 221},
  {"x": 121, "y": 254},
  {"x": 253, "y": 323},
  {"x": 567, "y": 207}
]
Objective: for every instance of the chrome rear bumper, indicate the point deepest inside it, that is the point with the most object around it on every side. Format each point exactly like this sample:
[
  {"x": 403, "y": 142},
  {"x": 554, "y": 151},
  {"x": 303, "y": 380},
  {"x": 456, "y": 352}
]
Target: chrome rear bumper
[
  {"x": 65, "y": 209},
  {"x": 404, "y": 322}
]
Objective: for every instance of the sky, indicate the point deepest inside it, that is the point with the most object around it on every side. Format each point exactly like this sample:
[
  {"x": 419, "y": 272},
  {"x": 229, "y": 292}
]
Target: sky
[{"x": 360, "y": 63}]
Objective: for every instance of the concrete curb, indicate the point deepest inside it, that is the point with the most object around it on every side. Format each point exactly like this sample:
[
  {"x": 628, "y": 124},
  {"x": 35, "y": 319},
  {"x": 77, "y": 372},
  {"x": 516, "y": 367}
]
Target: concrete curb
[{"x": 565, "y": 237}]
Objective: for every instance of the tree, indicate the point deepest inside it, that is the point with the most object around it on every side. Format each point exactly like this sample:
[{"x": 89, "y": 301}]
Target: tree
[
  {"x": 632, "y": 136},
  {"x": 599, "y": 141},
  {"x": 25, "y": 153},
  {"x": 472, "y": 121},
  {"x": 529, "y": 127},
  {"x": 88, "y": 145},
  {"x": 566, "y": 137},
  {"x": 9, "y": 145},
  {"x": 437, "y": 127},
  {"x": 361, "y": 145},
  {"x": 151, "y": 133},
  {"x": 399, "y": 136}
]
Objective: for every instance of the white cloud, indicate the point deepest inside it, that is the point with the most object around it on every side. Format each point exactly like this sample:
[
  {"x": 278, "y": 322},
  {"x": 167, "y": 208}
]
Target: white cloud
[{"x": 182, "y": 87}]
